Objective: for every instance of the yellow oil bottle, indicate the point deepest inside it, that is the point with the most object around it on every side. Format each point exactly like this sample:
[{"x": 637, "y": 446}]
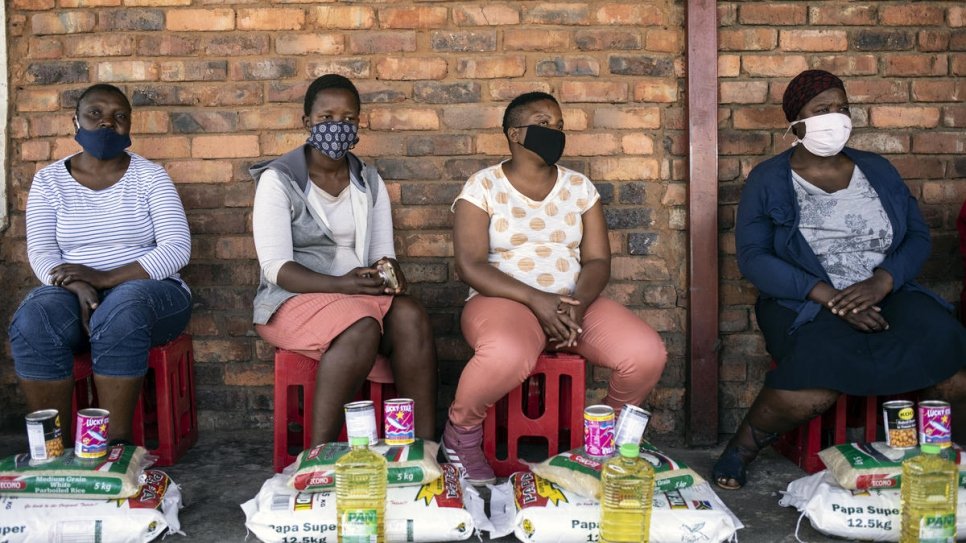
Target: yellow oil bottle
[
  {"x": 360, "y": 494},
  {"x": 627, "y": 492}
]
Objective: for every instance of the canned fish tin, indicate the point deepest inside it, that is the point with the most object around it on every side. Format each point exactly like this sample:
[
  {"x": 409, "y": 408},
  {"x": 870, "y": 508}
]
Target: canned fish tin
[
  {"x": 631, "y": 425},
  {"x": 360, "y": 421},
  {"x": 599, "y": 430},
  {"x": 899, "y": 417},
  {"x": 400, "y": 425},
  {"x": 91, "y": 434},
  {"x": 44, "y": 436},
  {"x": 935, "y": 424}
]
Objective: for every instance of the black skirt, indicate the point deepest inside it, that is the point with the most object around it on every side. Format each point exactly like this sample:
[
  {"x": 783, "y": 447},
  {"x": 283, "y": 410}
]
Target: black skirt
[{"x": 923, "y": 346}]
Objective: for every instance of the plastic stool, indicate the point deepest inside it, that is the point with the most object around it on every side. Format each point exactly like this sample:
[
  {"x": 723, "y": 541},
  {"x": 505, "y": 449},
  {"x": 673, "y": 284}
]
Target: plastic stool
[
  {"x": 294, "y": 377},
  {"x": 166, "y": 417},
  {"x": 560, "y": 423},
  {"x": 803, "y": 444}
]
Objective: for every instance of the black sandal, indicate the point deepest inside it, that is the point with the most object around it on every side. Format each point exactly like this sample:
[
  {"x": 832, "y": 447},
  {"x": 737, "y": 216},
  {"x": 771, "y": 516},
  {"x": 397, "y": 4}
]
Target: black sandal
[{"x": 730, "y": 472}]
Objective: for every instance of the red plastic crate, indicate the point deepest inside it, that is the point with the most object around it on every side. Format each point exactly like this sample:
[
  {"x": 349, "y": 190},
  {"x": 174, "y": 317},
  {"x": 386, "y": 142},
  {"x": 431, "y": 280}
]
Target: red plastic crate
[
  {"x": 803, "y": 444},
  {"x": 547, "y": 407},
  {"x": 294, "y": 395}
]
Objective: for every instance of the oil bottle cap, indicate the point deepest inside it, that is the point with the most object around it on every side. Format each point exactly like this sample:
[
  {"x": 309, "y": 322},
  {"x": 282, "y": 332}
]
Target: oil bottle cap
[
  {"x": 629, "y": 450},
  {"x": 359, "y": 441}
]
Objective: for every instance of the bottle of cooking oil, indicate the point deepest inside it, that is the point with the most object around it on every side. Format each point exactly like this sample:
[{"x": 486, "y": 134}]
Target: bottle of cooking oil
[
  {"x": 625, "y": 500},
  {"x": 929, "y": 482},
  {"x": 360, "y": 494}
]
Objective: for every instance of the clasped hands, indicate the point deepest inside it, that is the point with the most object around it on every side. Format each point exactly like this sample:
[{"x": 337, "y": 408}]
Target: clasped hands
[
  {"x": 84, "y": 282},
  {"x": 856, "y": 304},
  {"x": 560, "y": 317}
]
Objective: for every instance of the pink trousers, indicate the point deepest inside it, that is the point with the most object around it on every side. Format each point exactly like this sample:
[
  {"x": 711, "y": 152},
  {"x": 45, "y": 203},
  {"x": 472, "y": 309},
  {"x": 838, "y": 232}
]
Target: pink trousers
[{"x": 507, "y": 339}]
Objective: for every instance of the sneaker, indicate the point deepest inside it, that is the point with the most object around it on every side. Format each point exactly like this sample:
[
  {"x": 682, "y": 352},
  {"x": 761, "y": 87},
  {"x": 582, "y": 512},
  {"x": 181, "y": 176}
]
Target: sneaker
[{"x": 464, "y": 448}]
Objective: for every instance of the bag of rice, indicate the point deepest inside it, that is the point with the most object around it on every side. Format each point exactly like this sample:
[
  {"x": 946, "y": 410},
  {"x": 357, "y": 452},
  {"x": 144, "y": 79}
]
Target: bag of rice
[
  {"x": 577, "y": 472},
  {"x": 116, "y": 475},
  {"x": 427, "y": 513},
  {"x": 547, "y": 513},
  {"x": 859, "y": 466},
  {"x": 870, "y": 515},
  {"x": 138, "y": 519},
  {"x": 409, "y": 465}
]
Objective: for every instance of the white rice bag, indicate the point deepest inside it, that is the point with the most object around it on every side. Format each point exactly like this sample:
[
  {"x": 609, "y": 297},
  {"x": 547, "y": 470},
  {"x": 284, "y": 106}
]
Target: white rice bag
[
  {"x": 546, "y": 513},
  {"x": 408, "y": 465},
  {"x": 869, "y": 515},
  {"x": 427, "y": 513},
  {"x": 876, "y": 465},
  {"x": 138, "y": 519},
  {"x": 115, "y": 475}
]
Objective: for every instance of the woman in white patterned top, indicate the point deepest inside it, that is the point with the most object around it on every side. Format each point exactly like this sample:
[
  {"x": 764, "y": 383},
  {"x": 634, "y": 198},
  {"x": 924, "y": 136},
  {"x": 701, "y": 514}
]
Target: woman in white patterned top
[
  {"x": 531, "y": 242},
  {"x": 106, "y": 235}
]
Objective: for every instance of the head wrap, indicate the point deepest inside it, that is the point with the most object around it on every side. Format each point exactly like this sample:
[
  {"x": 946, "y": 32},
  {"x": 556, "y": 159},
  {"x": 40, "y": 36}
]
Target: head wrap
[{"x": 804, "y": 87}]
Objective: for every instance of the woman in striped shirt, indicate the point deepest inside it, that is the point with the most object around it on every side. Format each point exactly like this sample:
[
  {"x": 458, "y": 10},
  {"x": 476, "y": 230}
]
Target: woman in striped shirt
[{"x": 106, "y": 235}]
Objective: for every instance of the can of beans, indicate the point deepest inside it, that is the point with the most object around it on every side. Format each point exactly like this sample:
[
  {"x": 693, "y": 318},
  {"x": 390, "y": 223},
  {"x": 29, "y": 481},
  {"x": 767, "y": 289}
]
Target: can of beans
[
  {"x": 400, "y": 426},
  {"x": 360, "y": 421},
  {"x": 599, "y": 430},
  {"x": 44, "y": 436},
  {"x": 631, "y": 425},
  {"x": 899, "y": 417},
  {"x": 91, "y": 434},
  {"x": 935, "y": 426}
]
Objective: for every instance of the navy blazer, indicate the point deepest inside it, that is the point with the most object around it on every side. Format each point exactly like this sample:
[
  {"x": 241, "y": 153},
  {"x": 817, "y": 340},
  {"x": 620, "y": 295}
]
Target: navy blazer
[{"x": 774, "y": 255}]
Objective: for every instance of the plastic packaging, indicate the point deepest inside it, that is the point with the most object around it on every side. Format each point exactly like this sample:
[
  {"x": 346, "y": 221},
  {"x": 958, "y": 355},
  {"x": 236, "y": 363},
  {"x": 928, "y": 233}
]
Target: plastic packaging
[
  {"x": 360, "y": 494},
  {"x": 627, "y": 484}
]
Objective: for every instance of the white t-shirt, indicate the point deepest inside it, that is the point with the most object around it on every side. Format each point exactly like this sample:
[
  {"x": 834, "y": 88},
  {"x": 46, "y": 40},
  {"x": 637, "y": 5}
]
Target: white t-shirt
[{"x": 535, "y": 242}]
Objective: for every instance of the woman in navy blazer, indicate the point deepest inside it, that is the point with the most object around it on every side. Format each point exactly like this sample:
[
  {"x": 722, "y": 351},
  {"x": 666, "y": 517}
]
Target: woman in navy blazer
[{"x": 833, "y": 240}]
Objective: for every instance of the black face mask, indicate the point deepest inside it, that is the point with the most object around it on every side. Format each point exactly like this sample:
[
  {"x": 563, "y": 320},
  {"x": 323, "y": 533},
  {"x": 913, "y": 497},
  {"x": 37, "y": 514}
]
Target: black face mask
[
  {"x": 103, "y": 143},
  {"x": 547, "y": 143}
]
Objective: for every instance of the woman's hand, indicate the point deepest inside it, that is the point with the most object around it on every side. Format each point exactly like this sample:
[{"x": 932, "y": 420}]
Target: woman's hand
[
  {"x": 862, "y": 295},
  {"x": 576, "y": 312},
  {"x": 363, "y": 281},
  {"x": 65, "y": 274},
  {"x": 868, "y": 320},
  {"x": 555, "y": 319},
  {"x": 88, "y": 298}
]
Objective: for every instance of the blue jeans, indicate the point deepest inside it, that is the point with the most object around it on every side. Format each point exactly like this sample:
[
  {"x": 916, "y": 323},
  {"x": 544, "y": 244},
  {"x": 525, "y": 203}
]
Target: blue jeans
[{"x": 132, "y": 317}]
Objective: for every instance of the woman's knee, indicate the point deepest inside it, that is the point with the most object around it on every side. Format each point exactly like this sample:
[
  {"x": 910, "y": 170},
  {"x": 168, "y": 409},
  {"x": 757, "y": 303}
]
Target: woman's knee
[
  {"x": 408, "y": 314},
  {"x": 48, "y": 317},
  {"x": 364, "y": 332}
]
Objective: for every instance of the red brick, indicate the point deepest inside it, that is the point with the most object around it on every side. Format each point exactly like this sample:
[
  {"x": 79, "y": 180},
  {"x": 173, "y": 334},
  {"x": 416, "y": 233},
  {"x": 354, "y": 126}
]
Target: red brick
[
  {"x": 127, "y": 70},
  {"x": 568, "y": 66},
  {"x": 665, "y": 41},
  {"x": 32, "y": 4},
  {"x": 637, "y": 144},
  {"x": 382, "y": 42},
  {"x": 161, "y": 147},
  {"x": 428, "y": 244},
  {"x": 375, "y": 144},
  {"x": 842, "y": 65},
  {"x": 655, "y": 91},
  {"x": 738, "y": 142},
  {"x": 412, "y": 17},
  {"x": 508, "y": 90},
  {"x": 45, "y": 48},
  {"x": 915, "y": 65},
  {"x": 267, "y": 117},
  {"x": 727, "y": 14},
  {"x": 37, "y": 100},
  {"x": 904, "y": 117},
  {"x": 221, "y": 350},
  {"x": 839, "y": 14},
  {"x": 410, "y": 68},
  {"x": 491, "y": 144},
  {"x": 954, "y": 116},
  {"x": 877, "y": 90},
  {"x": 235, "y": 247},
  {"x": 88, "y": 3},
  {"x": 930, "y": 90},
  {"x": 145, "y": 3},
  {"x": 574, "y": 119},
  {"x": 813, "y": 40},
  {"x": 167, "y": 45},
  {"x": 947, "y": 143},
  {"x": 771, "y": 13},
  {"x": 345, "y": 17},
  {"x": 145, "y": 121},
  {"x": 99, "y": 45},
  {"x": 527, "y": 40},
  {"x": 919, "y": 167},
  {"x": 468, "y": 117},
  {"x": 270, "y": 19},
  {"x": 272, "y": 69},
  {"x": 958, "y": 65},
  {"x": 747, "y": 39},
  {"x": 631, "y": 15},
  {"x": 224, "y": 146},
  {"x": 773, "y": 65},
  {"x": 956, "y": 16},
  {"x": 639, "y": 268},
  {"x": 751, "y": 118},
  {"x": 214, "y": 19},
  {"x": 69, "y": 22},
  {"x": 304, "y": 44},
  {"x": 491, "y": 67},
  {"x": 593, "y": 91},
  {"x": 403, "y": 119},
  {"x": 277, "y": 143},
  {"x": 35, "y": 150},
  {"x": 421, "y": 218},
  {"x": 729, "y": 65},
  {"x": 911, "y": 15},
  {"x": 743, "y": 92},
  {"x": 199, "y": 171},
  {"x": 557, "y": 14},
  {"x": 602, "y": 39},
  {"x": 349, "y": 67},
  {"x": 624, "y": 169},
  {"x": 592, "y": 144},
  {"x": 51, "y": 125},
  {"x": 485, "y": 15},
  {"x": 194, "y": 70},
  {"x": 933, "y": 40}
]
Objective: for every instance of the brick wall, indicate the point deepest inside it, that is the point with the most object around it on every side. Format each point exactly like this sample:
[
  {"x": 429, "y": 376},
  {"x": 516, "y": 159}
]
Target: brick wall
[
  {"x": 218, "y": 85},
  {"x": 903, "y": 65}
]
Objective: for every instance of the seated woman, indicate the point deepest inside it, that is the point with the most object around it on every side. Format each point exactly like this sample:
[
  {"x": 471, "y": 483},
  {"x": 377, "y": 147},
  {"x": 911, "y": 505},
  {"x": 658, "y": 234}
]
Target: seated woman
[
  {"x": 322, "y": 223},
  {"x": 531, "y": 242},
  {"x": 833, "y": 240},
  {"x": 106, "y": 234}
]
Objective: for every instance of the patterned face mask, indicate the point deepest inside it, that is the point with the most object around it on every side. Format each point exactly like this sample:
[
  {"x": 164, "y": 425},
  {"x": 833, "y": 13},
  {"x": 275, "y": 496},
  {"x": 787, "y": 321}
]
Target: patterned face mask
[{"x": 334, "y": 138}]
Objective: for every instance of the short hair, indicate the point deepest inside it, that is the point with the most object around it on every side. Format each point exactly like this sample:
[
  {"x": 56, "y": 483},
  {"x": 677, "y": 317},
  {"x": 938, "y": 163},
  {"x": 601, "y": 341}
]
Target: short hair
[
  {"x": 329, "y": 81},
  {"x": 100, "y": 87},
  {"x": 511, "y": 117}
]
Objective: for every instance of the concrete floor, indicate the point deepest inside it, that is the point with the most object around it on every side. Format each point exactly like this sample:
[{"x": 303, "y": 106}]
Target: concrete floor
[{"x": 227, "y": 468}]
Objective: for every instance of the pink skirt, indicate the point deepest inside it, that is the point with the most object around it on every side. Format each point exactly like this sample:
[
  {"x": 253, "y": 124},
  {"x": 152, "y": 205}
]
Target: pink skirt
[{"x": 308, "y": 323}]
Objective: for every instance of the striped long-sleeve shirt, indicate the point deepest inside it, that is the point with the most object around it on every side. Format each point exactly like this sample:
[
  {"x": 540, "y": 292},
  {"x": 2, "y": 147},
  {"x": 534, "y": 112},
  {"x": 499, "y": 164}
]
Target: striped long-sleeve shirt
[{"x": 139, "y": 218}]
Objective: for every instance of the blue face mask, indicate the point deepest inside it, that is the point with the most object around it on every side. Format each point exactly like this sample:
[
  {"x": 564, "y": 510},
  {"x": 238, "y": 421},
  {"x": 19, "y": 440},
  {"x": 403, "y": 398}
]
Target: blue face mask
[
  {"x": 103, "y": 143},
  {"x": 333, "y": 138}
]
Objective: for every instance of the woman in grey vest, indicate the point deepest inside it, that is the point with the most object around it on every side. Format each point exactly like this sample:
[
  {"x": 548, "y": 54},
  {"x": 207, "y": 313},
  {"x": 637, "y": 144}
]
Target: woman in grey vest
[{"x": 323, "y": 233}]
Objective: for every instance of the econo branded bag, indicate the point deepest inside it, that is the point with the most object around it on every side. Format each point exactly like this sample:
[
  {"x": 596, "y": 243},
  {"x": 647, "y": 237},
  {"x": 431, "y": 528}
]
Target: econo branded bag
[
  {"x": 860, "y": 466},
  {"x": 115, "y": 475},
  {"x": 408, "y": 465}
]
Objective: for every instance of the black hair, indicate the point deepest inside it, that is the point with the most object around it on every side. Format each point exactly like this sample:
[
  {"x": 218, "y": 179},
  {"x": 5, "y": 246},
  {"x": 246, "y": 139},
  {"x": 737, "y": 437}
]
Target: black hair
[
  {"x": 329, "y": 81},
  {"x": 511, "y": 117},
  {"x": 101, "y": 87}
]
